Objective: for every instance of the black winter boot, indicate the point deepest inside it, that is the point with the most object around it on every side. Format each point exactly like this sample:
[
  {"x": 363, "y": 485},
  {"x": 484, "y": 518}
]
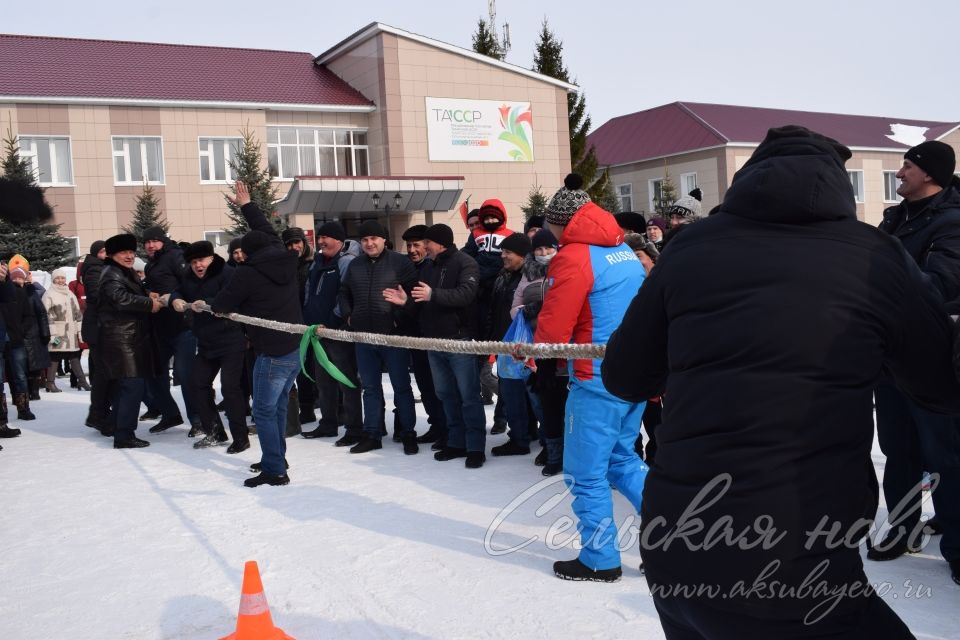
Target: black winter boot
[
  {"x": 367, "y": 444},
  {"x": 410, "y": 446},
  {"x": 3, "y": 408},
  {"x": 33, "y": 388},
  {"x": 293, "y": 414},
  {"x": 22, "y": 402},
  {"x": 576, "y": 570}
]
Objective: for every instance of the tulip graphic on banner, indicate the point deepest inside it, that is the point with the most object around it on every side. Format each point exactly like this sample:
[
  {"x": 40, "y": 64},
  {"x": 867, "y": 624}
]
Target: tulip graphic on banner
[{"x": 512, "y": 119}]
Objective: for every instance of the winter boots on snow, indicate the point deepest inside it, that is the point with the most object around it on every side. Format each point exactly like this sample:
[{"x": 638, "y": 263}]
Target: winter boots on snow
[
  {"x": 22, "y": 402},
  {"x": 5, "y": 431}
]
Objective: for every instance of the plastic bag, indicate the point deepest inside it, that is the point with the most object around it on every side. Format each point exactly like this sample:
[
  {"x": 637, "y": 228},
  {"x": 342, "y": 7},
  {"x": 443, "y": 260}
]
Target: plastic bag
[{"x": 507, "y": 366}]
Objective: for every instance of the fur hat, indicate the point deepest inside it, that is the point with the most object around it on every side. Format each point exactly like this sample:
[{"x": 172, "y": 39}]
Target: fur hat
[
  {"x": 200, "y": 249},
  {"x": 414, "y": 233},
  {"x": 253, "y": 241},
  {"x": 371, "y": 228},
  {"x": 154, "y": 233},
  {"x": 567, "y": 201},
  {"x": 441, "y": 234},
  {"x": 332, "y": 229},
  {"x": 936, "y": 158},
  {"x": 534, "y": 221},
  {"x": 120, "y": 242},
  {"x": 631, "y": 221},
  {"x": 518, "y": 243}
]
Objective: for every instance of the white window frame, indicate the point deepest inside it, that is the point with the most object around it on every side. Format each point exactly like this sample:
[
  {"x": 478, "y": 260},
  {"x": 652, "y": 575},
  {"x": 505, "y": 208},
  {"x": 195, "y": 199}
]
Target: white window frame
[
  {"x": 858, "y": 193},
  {"x": 215, "y": 236},
  {"x": 30, "y": 155},
  {"x": 75, "y": 243},
  {"x": 684, "y": 177},
  {"x": 625, "y": 196},
  {"x": 651, "y": 193},
  {"x": 207, "y": 155},
  {"x": 129, "y": 180},
  {"x": 897, "y": 195},
  {"x": 316, "y": 147}
]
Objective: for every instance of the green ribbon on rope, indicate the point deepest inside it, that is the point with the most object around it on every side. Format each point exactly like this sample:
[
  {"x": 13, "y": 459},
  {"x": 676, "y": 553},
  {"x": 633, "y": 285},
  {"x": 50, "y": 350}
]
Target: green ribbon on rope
[{"x": 311, "y": 339}]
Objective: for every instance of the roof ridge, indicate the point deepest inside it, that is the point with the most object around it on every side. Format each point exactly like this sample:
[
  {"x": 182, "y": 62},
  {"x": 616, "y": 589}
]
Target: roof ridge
[
  {"x": 822, "y": 113},
  {"x": 147, "y": 43},
  {"x": 699, "y": 119}
]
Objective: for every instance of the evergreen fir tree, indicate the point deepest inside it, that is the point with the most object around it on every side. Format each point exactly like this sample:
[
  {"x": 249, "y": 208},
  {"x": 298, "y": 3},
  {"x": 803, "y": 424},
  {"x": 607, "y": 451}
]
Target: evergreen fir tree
[
  {"x": 146, "y": 215},
  {"x": 536, "y": 203},
  {"x": 250, "y": 170},
  {"x": 41, "y": 244},
  {"x": 609, "y": 199},
  {"x": 485, "y": 41},
  {"x": 668, "y": 194},
  {"x": 548, "y": 60}
]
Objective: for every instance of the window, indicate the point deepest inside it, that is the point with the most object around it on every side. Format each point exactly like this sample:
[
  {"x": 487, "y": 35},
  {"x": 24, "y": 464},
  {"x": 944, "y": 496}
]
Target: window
[
  {"x": 856, "y": 179},
  {"x": 655, "y": 191},
  {"x": 137, "y": 160},
  {"x": 688, "y": 182},
  {"x": 310, "y": 151},
  {"x": 625, "y": 192},
  {"x": 49, "y": 157},
  {"x": 218, "y": 238},
  {"x": 216, "y": 154},
  {"x": 74, "y": 253},
  {"x": 890, "y": 184}
]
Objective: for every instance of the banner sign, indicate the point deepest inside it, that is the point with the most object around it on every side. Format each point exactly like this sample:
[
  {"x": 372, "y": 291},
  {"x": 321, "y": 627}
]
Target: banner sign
[{"x": 479, "y": 130}]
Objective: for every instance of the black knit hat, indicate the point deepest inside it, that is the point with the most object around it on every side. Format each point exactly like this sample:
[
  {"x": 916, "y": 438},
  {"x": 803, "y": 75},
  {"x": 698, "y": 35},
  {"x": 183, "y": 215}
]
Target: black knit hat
[
  {"x": 293, "y": 234},
  {"x": 519, "y": 243},
  {"x": 567, "y": 201},
  {"x": 200, "y": 249},
  {"x": 414, "y": 233},
  {"x": 253, "y": 241},
  {"x": 120, "y": 242},
  {"x": 154, "y": 233},
  {"x": 371, "y": 228},
  {"x": 96, "y": 246},
  {"x": 936, "y": 158},
  {"x": 543, "y": 238},
  {"x": 534, "y": 221},
  {"x": 631, "y": 221},
  {"x": 441, "y": 234},
  {"x": 474, "y": 213},
  {"x": 332, "y": 229},
  {"x": 234, "y": 245}
]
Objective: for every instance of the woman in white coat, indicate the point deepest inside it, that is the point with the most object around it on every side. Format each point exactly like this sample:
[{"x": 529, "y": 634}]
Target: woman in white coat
[{"x": 63, "y": 311}]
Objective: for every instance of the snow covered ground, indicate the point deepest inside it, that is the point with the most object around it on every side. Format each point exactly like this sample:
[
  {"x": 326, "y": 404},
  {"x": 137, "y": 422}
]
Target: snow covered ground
[{"x": 150, "y": 543}]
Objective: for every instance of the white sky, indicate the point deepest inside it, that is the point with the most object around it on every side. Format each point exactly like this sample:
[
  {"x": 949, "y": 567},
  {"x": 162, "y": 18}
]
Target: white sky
[{"x": 878, "y": 57}]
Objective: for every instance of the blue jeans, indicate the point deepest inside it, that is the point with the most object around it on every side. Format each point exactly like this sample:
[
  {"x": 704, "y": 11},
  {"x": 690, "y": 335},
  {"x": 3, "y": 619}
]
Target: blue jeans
[
  {"x": 273, "y": 376},
  {"x": 513, "y": 394},
  {"x": 457, "y": 381},
  {"x": 18, "y": 368},
  {"x": 183, "y": 349},
  {"x": 600, "y": 433},
  {"x": 370, "y": 359},
  {"x": 127, "y": 393}
]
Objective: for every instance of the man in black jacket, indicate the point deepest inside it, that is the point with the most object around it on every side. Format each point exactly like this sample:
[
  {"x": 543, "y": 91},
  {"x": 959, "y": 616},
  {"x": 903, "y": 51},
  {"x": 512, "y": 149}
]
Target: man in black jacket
[
  {"x": 98, "y": 415},
  {"x": 915, "y": 440},
  {"x": 128, "y": 348},
  {"x": 446, "y": 308},
  {"x": 294, "y": 239},
  {"x": 769, "y": 358},
  {"x": 364, "y": 308},
  {"x": 164, "y": 273},
  {"x": 265, "y": 286}
]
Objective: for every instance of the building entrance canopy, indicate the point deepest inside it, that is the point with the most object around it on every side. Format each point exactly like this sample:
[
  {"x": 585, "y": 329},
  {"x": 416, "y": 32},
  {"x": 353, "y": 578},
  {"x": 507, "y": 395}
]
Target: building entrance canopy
[{"x": 362, "y": 196}]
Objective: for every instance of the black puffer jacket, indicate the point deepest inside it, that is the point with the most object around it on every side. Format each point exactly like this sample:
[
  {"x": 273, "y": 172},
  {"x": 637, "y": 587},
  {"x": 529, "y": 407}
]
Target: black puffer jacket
[
  {"x": 361, "y": 299},
  {"x": 769, "y": 324},
  {"x": 215, "y": 336},
  {"x": 932, "y": 238},
  {"x": 498, "y": 318},
  {"x": 163, "y": 274},
  {"x": 265, "y": 286},
  {"x": 92, "y": 267},
  {"x": 36, "y": 330},
  {"x": 451, "y": 311},
  {"x": 127, "y": 345}
]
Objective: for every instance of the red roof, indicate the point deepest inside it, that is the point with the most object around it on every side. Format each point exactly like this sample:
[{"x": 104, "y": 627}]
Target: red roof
[
  {"x": 681, "y": 127},
  {"x": 108, "y": 69}
]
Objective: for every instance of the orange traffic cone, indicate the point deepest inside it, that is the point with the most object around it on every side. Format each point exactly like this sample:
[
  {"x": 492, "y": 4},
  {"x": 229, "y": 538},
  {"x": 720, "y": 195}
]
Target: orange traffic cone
[{"x": 253, "y": 620}]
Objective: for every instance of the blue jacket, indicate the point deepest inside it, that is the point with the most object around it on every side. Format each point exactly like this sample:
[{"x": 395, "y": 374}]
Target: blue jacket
[{"x": 323, "y": 287}]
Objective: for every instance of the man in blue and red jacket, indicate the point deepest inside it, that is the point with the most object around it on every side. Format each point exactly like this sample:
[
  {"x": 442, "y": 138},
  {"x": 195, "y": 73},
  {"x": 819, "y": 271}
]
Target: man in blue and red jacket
[{"x": 594, "y": 277}]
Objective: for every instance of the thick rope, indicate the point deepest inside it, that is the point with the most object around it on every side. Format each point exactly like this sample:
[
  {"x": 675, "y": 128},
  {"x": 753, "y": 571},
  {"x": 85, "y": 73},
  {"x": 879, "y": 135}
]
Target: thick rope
[{"x": 480, "y": 348}]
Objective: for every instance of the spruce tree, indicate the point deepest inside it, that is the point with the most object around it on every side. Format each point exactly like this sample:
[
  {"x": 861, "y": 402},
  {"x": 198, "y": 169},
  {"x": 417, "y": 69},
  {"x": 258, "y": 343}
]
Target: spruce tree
[
  {"x": 609, "y": 199},
  {"x": 146, "y": 215},
  {"x": 548, "y": 60},
  {"x": 668, "y": 194},
  {"x": 250, "y": 170},
  {"x": 485, "y": 41},
  {"x": 536, "y": 203},
  {"x": 41, "y": 244}
]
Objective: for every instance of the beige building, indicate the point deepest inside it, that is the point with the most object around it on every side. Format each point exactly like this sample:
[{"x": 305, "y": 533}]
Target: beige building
[
  {"x": 386, "y": 124},
  {"x": 703, "y": 145}
]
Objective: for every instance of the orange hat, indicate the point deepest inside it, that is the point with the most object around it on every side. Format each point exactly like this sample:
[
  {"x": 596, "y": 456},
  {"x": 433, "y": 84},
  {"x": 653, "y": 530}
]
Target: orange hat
[{"x": 19, "y": 261}]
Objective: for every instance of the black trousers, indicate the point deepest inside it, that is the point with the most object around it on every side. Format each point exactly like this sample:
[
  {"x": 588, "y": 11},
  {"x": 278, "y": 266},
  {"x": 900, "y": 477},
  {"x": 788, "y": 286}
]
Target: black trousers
[
  {"x": 553, "y": 402},
  {"x": 230, "y": 366},
  {"x": 344, "y": 357},
  {"x": 307, "y": 389},
  {"x": 428, "y": 393},
  {"x": 684, "y": 619},
  {"x": 99, "y": 387}
]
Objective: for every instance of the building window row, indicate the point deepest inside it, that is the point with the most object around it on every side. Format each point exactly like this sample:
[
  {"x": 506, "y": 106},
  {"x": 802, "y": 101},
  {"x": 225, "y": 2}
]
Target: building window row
[{"x": 291, "y": 152}]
